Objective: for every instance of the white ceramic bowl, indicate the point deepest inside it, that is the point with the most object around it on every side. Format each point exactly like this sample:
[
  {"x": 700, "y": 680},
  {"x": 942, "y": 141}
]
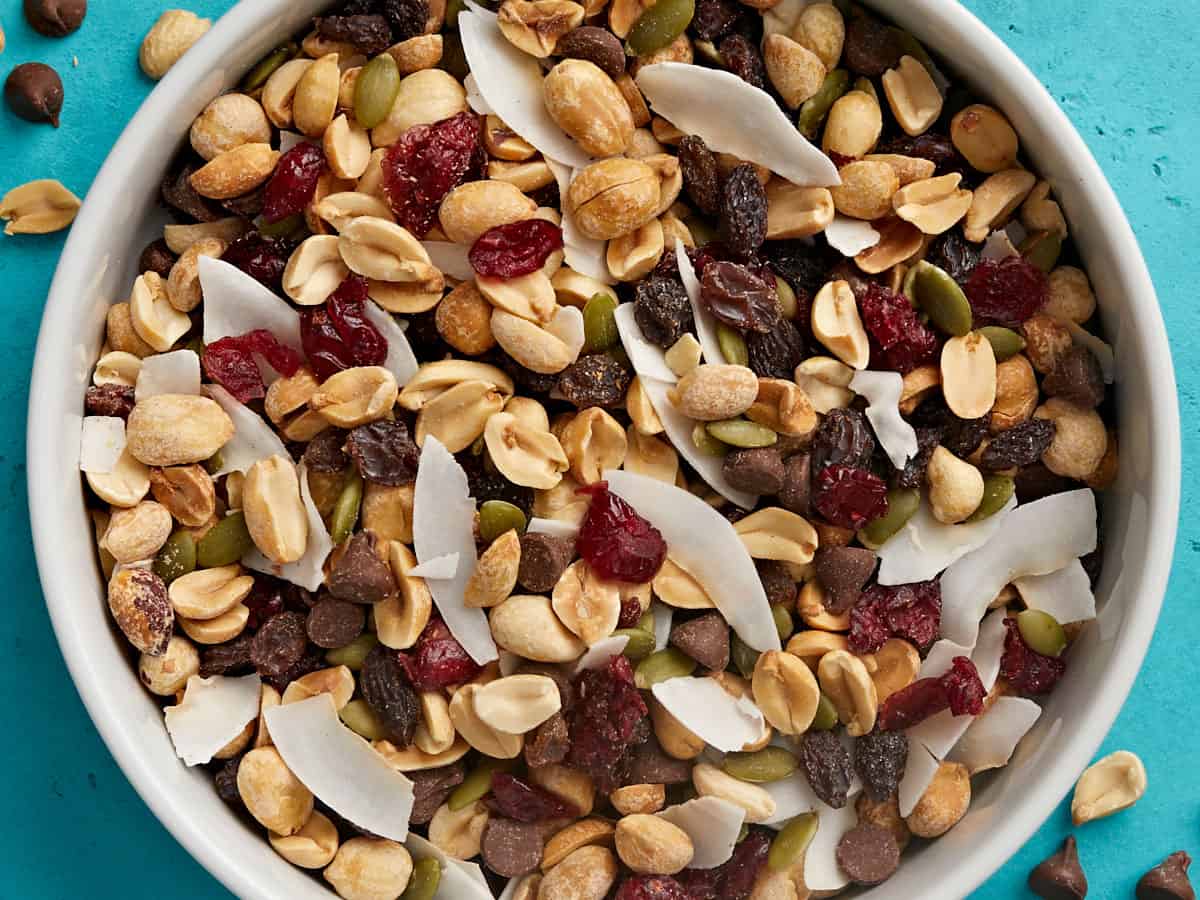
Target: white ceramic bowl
[{"x": 1140, "y": 513}]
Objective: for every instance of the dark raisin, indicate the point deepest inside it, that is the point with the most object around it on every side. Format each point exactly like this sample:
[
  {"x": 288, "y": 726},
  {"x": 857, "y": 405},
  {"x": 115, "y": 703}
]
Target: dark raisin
[
  {"x": 248, "y": 206},
  {"x": 742, "y": 58},
  {"x": 109, "y": 400},
  {"x": 324, "y": 453},
  {"x": 714, "y": 19},
  {"x": 406, "y": 17},
  {"x": 595, "y": 380},
  {"x": 758, "y": 470},
  {"x": 879, "y": 759},
  {"x": 913, "y": 473},
  {"x": 486, "y": 485},
  {"x": 230, "y": 658},
  {"x": 1077, "y": 378},
  {"x": 939, "y": 150},
  {"x": 777, "y": 582},
  {"x": 359, "y": 575},
  {"x": 279, "y": 644},
  {"x": 961, "y": 437},
  {"x": 335, "y": 623},
  {"x": 743, "y": 214},
  {"x": 803, "y": 266},
  {"x": 385, "y": 686},
  {"x": 157, "y": 257},
  {"x": 431, "y": 787},
  {"x": 776, "y": 353},
  {"x": 369, "y": 34},
  {"x": 548, "y": 743},
  {"x": 739, "y": 297},
  {"x": 843, "y": 438},
  {"x": 384, "y": 453},
  {"x": 262, "y": 258},
  {"x": 1036, "y": 481},
  {"x": 1021, "y": 445},
  {"x": 533, "y": 382},
  {"x": 954, "y": 254},
  {"x": 826, "y": 765},
  {"x": 701, "y": 176},
  {"x": 597, "y": 45},
  {"x": 871, "y": 46},
  {"x": 178, "y": 193},
  {"x": 662, "y": 311},
  {"x": 226, "y": 783}
]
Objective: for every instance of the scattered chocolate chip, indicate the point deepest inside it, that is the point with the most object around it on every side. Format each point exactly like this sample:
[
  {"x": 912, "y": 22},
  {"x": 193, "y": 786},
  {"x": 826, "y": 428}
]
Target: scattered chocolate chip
[
  {"x": 1076, "y": 378},
  {"x": 647, "y": 763},
  {"x": 511, "y": 848},
  {"x": 359, "y": 575},
  {"x": 1168, "y": 880},
  {"x": 777, "y": 582},
  {"x": 796, "y": 492},
  {"x": 334, "y": 623},
  {"x": 1060, "y": 876},
  {"x": 757, "y": 470},
  {"x": 705, "y": 639},
  {"x": 158, "y": 258},
  {"x": 35, "y": 93},
  {"x": 868, "y": 854},
  {"x": 55, "y": 18},
  {"x": 544, "y": 558},
  {"x": 843, "y": 571},
  {"x": 431, "y": 787}
]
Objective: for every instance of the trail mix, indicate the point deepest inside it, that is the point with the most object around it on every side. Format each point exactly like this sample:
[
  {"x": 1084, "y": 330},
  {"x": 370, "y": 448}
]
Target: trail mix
[{"x": 649, "y": 451}]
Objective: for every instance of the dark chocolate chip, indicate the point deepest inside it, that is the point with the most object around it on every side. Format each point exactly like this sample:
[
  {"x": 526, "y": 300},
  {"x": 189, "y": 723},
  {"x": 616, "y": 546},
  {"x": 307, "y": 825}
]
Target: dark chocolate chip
[
  {"x": 777, "y": 582},
  {"x": 55, "y": 18},
  {"x": 868, "y": 854},
  {"x": 758, "y": 470},
  {"x": 843, "y": 571},
  {"x": 359, "y": 575},
  {"x": 1168, "y": 880},
  {"x": 1060, "y": 877},
  {"x": 705, "y": 639},
  {"x": 544, "y": 558},
  {"x": 334, "y": 623},
  {"x": 35, "y": 93},
  {"x": 1076, "y": 378},
  {"x": 511, "y": 848},
  {"x": 158, "y": 258},
  {"x": 796, "y": 492}
]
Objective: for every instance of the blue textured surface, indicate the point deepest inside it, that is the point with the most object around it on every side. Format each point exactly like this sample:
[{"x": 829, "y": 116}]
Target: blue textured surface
[{"x": 73, "y": 827}]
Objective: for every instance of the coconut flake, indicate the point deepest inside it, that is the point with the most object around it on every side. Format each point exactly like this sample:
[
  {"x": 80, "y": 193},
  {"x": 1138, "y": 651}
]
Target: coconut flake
[
  {"x": 598, "y": 655},
  {"x": 925, "y": 546},
  {"x": 555, "y": 527},
  {"x": 710, "y": 712},
  {"x": 459, "y": 880},
  {"x": 510, "y": 83},
  {"x": 474, "y": 98},
  {"x": 583, "y": 254},
  {"x": 850, "y": 237},
  {"x": 1100, "y": 349},
  {"x": 438, "y": 567},
  {"x": 713, "y": 825},
  {"x": 821, "y": 869},
  {"x": 340, "y": 768},
  {"x": 940, "y": 657},
  {"x": 706, "y": 324},
  {"x": 882, "y": 390},
  {"x": 706, "y": 545},
  {"x": 234, "y": 303},
  {"x": 213, "y": 712},
  {"x": 450, "y": 258},
  {"x": 443, "y": 523},
  {"x": 1065, "y": 594},
  {"x": 663, "y": 615},
  {"x": 993, "y": 736},
  {"x": 401, "y": 361},
  {"x": 919, "y": 770},
  {"x": 309, "y": 570},
  {"x": 998, "y": 246},
  {"x": 1038, "y": 538},
  {"x": 734, "y": 117},
  {"x": 101, "y": 443},
  {"x": 648, "y": 360},
  {"x": 253, "y": 439},
  {"x": 177, "y": 372},
  {"x": 290, "y": 140},
  {"x": 793, "y": 795}
]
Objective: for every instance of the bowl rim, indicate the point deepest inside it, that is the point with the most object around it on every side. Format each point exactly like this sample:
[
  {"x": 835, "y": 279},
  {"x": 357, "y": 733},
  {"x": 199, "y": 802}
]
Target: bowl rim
[{"x": 246, "y": 18}]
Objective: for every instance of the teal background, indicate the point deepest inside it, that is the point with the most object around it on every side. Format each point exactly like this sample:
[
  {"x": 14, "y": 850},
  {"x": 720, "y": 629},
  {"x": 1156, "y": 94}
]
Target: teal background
[{"x": 1126, "y": 74}]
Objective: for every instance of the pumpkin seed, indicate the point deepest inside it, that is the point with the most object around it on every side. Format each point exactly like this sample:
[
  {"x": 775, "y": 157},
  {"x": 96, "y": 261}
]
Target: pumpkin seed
[
  {"x": 706, "y": 443},
  {"x": 783, "y": 621},
  {"x": 478, "y": 782},
  {"x": 640, "y": 644},
  {"x": 266, "y": 67},
  {"x": 733, "y": 345},
  {"x": 1041, "y": 632},
  {"x": 376, "y": 90},
  {"x": 599, "y": 323},
  {"x": 618, "y": 355},
  {"x": 345, "y": 511},
  {"x": 743, "y": 655},
  {"x": 791, "y": 842},
  {"x": 659, "y": 25},
  {"x": 424, "y": 881},
  {"x": 1005, "y": 342},
  {"x": 742, "y": 433},
  {"x": 499, "y": 516},
  {"x": 226, "y": 542},
  {"x": 453, "y": 8},
  {"x": 661, "y": 666},
  {"x": 941, "y": 298},
  {"x": 707, "y": 50},
  {"x": 827, "y": 715},
  {"x": 176, "y": 557},
  {"x": 761, "y": 766},
  {"x": 702, "y": 232},
  {"x": 214, "y": 463},
  {"x": 743, "y": 832},
  {"x": 454, "y": 58},
  {"x": 996, "y": 491},
  {"x": 646, "y": 622},
  {"x": 1042, "y": 249},
  {"x": 816, "y": 108},
  {"x": 902, "y": 505},
  {"x": 284, "y": 227},
  {"x": 788, "y": 307},
  {"x": 361, "y": 719},
  {"x": 352, "y": 655}
]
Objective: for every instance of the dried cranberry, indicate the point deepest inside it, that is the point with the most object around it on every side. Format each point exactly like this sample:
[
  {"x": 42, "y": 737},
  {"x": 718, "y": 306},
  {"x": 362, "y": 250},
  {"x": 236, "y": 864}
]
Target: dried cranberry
[
  {"x": 909, "y": 611},
  {"x": 741, "y": 871},
  {"x": 662, "y": 310},
  {"x": 439, "y": 659},
  {"x": 742, "y": 58},
  {"x": 958, "y": 690},
  {"x": 964, "y": 688},
  {"x": 369, "y": 34},
  {"x": 652, "y": 887},
  {"x": 776, "y": 353},
  {"x": 426, "y": 163},
  {"x": 826, "y": 764},
  {"x": 1021, "y": 445},
  {"x": 1025, "y": 669},
  {"x": 515, "y": 249},
  {"x": 743, "y": 214},
  {"x": 843, "y": 438},
  {"x": 899, "y": 340},
  {"x": 617, "y": 542},
  {"x": 631, "y": 613},
  {"x": 292, "y": 186},
  {"x": 262, "y": 258},
  {"x": 1005, "y": 291},
  {"x": 739, "y": 297},
  {"x": 523, "y": 802},
  {"x": 384, "y": 452},
  {"x": 338, "y": 335},
  {"x": 109, "y": 400},
  {"x": 850, "y": 497},
  {"x": 604, "y": 720},
  {"x": 701, "y": 176},
  {"x": 230, "y": 362}
]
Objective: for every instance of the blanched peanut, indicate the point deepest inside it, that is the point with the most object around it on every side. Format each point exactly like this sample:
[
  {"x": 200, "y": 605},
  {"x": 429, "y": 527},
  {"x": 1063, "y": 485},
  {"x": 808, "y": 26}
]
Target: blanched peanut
[
  {"x": 495, "y": 574},
  {"x": 812, "y": 644},
  {"x": 176, "y": 429},
  {"x": 968, "y": 366},
  {"x": 1069, "y": 295},
  {"x": 229, "y": 121},
  {"x": 944, "y": 802},
  {"x": 995, "y": 200},
  {"x": 155, "y": 320},
  {"x": 836, "y": 324},
  {"x": 1016, "y": 393},
  {"x": 316, "y": 97},
  {"x": 898, "y": 241},
  {"x": 312, "y": 847},
  {"x": 171, "y": 36},
  {"x": 459, "y": 416},
  {"x": 314, "y": 270},
  {"x": 676, "y": 739},
  {"x": 475, "y": 731},
  {"x": 844, "y": 679},
  {"x": 235, "y": 172},
  {"x": 275, "y": 513},
  {"x": 710, "y": 781},
  {"x": 587, "y": 105},
  {"x": 385, "y": 251},
  {"x": 570, "y": 784},
  {"x": 984, "y": 137},
  {"x": 1046, "y": 341},
  {"x": 650, "y": 456},
  {"x": 794, "y": 211},
  {"x": 711, "y": 392},
  {"x": 588, "y": 605},
  {"x": 525, "y": 456},
  {"x": 137, "y": 533},
  {"x": 866, "y": 190},
  {"x": 526, "y": 625},
  {"x": 677, "y": 587},
  {"x": 527, "y": 296},
  {"x": 1080, "y": 438},
  {"x": 934, "y": 205},
  {"x": 915, "y": 100},
  {"x": 401, "y": 617},
  {"x": 183, "y": 283},
  {"x": 356, "y": 396},
  {"x": 535, "y": 26},
  {"x": 794, "y": 70},
  {"x": 1040, "y": 212},
  {"x": 821, "y": 28},
  {"x": 167, "y": 674},
  {"x": 613, "y": 197},
  {"x": 776, "y": 533},
  {"x": 425, "y": 97},
  {"x": 853, "y": 125},
  {"x": 638, "y": 798},
  {"x": 457, "y": 833},
  {"x": 1108, "y": 785},
  {"x": 593, "y": 442},
  {"x": 336, "y": 681},
  {"x": 652, "y": 846},
  {"x": 472, "y": 208},
  {"x": 955, "y": 487},
  {"x": 517, "y": 703},
  {"x": 892, "y": 667},
  {"x": 632, "y": 256},
  {"x": 786, "y": 691},
  {"x": 208, "y": 593},
  {"x": 272, "y": 794},
  {"x": 586, "y": 874},
  {"x": 370, "y": 869}
]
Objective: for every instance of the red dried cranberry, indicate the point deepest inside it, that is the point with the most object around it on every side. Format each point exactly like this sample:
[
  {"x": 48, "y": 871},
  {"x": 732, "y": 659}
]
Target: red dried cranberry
[
  {"x": 959, "y": 690},
  {"x": 262, "y": 258},
  {"x": 230, "y": 362},
  {"x": 1024, "y": 668},
  {"x": 964, "y": 688},
  {"x": 426, "y": 164},
  {"x": 439, "y": 659},
  {"x": 292, "y": 186},
  {"x": 515, "y": 799},
  {"x": 740, "y": 872},
  {"x": 909, "y": 611},
  {"x": 509, "y": 251},
  {"x": 264, "y": 601},
  {"x": 850, "y": 497},
  {"x": 1005, "y": 291},
  {"x": 631, "y": 613},
  {"x": 701, "y": 884},
  {"x": 616, "y": 542},
  {"x": 338, "y": 335},
  {"x": 899, "y": 340},
  {"x": 739, "y": 297},
  {"x": 604, "y": 720},
  {"x": 652, "y": 887}
]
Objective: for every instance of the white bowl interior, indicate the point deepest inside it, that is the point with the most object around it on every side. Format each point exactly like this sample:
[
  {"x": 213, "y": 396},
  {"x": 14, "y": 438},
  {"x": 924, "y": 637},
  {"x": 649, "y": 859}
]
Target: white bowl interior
[{"x": 1140, "y": 513}]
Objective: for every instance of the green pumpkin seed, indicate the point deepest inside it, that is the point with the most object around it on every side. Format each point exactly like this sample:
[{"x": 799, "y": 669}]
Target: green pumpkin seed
[
  {"x": 499, "y": 516},
  {"x": 284, "y": 227},
  {"x": 1042, "y": 249},
  {"x": 226, "y": 542},
  {"x": 789, "y": 845},
  {"x": 865, "y": 85},
  {"x": 761, "y": 766},
  {"x": 706, "y": 443},
  {"x": 196, "y": 345},
  {"x": 788, "y": 307},
  {"x": 361, "y": 719},
  {"x": 619, "y": 355},
  {"x": 376, "y": 90},
  {"x": 599, "y": 323},
  {"x": 743, "y": 832},
  {"x": 352, "y": 655},
  {"x": 702, "y": 232},
  {"x": 177, "y": 557},
  {"x": 940, "y": 296},
  {"x": 659, "y": 25},
  {"x": 814, "y": 110},
  {"x": 345, "y": 511},
  {"x": 733, "y": 345},
  {"x": 424, "y": 881},
  {"x": 742, "y": 433},
  {"x": 902, "y": 505},
  {"x": 1041, "y": 632},
  {"x": 646, "y": 622},
  {"x": 996, "y": 491},
  {"x": 266, "y": 67},
  {"x": 454, "y": 59},
  {"x": 1005, "y": 342},
  {"x": 640, "y": 644},
  {"x": 478, "y": 782},
  {"x": 827, "y": 715},
  {"x": 214, "y": 463},
  {"x": 783, "y": 621},
  {"x": 743, "y": 655},
  {"x": 661, "y": 666}
]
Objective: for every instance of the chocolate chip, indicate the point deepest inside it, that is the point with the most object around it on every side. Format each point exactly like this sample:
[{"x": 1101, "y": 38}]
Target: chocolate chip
[
  {"x": 544, "y": 558},
  {"x": 868, "y": 854},
  {"x": 705, "y": 639},
  {"x": 1076, "y": 378},
  {"x": 1168, "y": 880},
  {"x": 843, "y": 571},
  {"x": 334, "y": 623},
  {"x": 431, "y": 787},
  {"x": 35, "y": 93},
  {"x": 359, "y": 575},
  {"x": 55, "y": 18},
  {"x": 511, "y": 848},
  {"x": 777, "y": 582},
  {"x": 758, "y": 470},
  {"x": 157, "y": 257},
  {"x": 647, "y": 763},
  {"x": 178, "y": 193},
  {"x": 795, "y": 494},
  {"x": 1060, "y": 877}
]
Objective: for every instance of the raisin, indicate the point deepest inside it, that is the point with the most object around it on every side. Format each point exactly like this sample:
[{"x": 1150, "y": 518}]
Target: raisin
[
  {"x": 604, "y": 720},
  {"x": 739, "y": 297},
  {"x": 338, "y": 335},
  {"x": 652, "y": 887},
  {"x": 843, "y": 438},
  {"x": 805, "y": 267},
  {"x": 1006, "y": 291},
  {"x": 439, "y": 660},
  {"x": 279, "y": 644},
  {"x": 488, "y": 485},
  {"x": 909, "y": 611},
  {"x": 743, "y": 214},
  {"x": 616, "y": 542},
  {"x": 1021, "y": 445},
  {"x": 226, "y": 784},
  {"x": 515, "y": 249},
  {"x": 431, "y": 788},
  {"x": 533, "y": 382},
  {"x": 595, "y": 380},
  {"x": 407, "y": 18},
  {"x": 523, "y": 802},
  {"x": 370, "y": 34},
  {"x": 334, "y": 623},
  {"x": 701, "y": 176},
  {"x": 114, "y": 400},
  {"x": 871, "y": 46},
  {"x": 384, "y": 452},
  {"x": 913, "y": 473},
  {"x": 248, "y": 206},
  {"x": 1076, "y": 378},
  {"x": 385, "y": 686},
  {"x": 742, "y": 58},
  {"x": 1036, "y": 481},
  {"x": 1028, "y": 671},
  {"x": 548, "y": 743},
  {"x": 662, "y": 311},
  {"x": 178, "y": 193},
  {"x": 426, "y": 163},
  {"x": 899, "y": 340},
  {"x": 230, "y": 658},
  {"x": 597, "y": 45},
  {"x": 879, "y": 759},
  {"x": 359, "y": 575},
  {"x": 325, "y": 452},
  {"x": 294, "y": 183},
  {"x": 939, "y": 150},
  {"x": 714, "y": 19},
  {"x": 826, "y": 765},
  {"x": 954, "y": 255},
  {"x": 157, "y": 257},
  {"x": 264, "y": 601},
  {"x": 776, "y": 353},
  {"x": 262, "y": 258},
  {"x": 757, "y": 470}
]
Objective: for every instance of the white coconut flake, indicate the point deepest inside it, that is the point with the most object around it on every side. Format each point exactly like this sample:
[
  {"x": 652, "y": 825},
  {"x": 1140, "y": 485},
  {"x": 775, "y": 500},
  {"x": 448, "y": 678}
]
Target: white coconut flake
[
  {"x": 459, "y": 880},
  {"x": 583, "y": 254},
  {"x": 713, "y": 825},
  {"x": 213, "y": 712},
  {"x": 101, "y": 443},
  {"x": 706, "y": 324},
  {"x": 998, "y": 246},
  {"x": 253, "y": 439},
  {"x": 663, "y": 616},
  {"x": 450, "y": 258},
  {"x": 940, "y": 657},
  {"x": 510, "y": 83},
  {"x": 821, "y": 869},
  {"x": 475, "y": 98},
  {"x": 340, "y": 768},
  {"x": 444, "y": 522},
  {"x": 648, "y": 360},
  {"x": 234, "y": 303},
  {"x": 703, "y": 542},
  {"x": 555, "y": 527},
  {"x": 290, "y": 140},
  {"x": 1100, "y": 349},
  {"x": 1038, "y": 538},
  {"x": 882, "y": 390},
  {"x": 439, "y": 567},
  {"x": 850, "y": 237},
  {"x": 993, "y": 736},
  {"x": 177, "y": 372},
  {"x": 710, "y": 712},
  {"x": 309, "y": 570},
  {"x": 401, "y": 361},
  {"x": 919, "y": 770},
  {"x": 734, "y": 117},
  {"x": 598, "y": 655},
  {"x": 1065, "y": 594},
  {"x": 793, "y": 795},
  {"x": 925, "y": 546}
]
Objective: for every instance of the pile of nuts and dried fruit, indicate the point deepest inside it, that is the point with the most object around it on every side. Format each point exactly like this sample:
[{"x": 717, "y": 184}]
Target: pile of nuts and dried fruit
[{"x": 679, "y": 510}]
